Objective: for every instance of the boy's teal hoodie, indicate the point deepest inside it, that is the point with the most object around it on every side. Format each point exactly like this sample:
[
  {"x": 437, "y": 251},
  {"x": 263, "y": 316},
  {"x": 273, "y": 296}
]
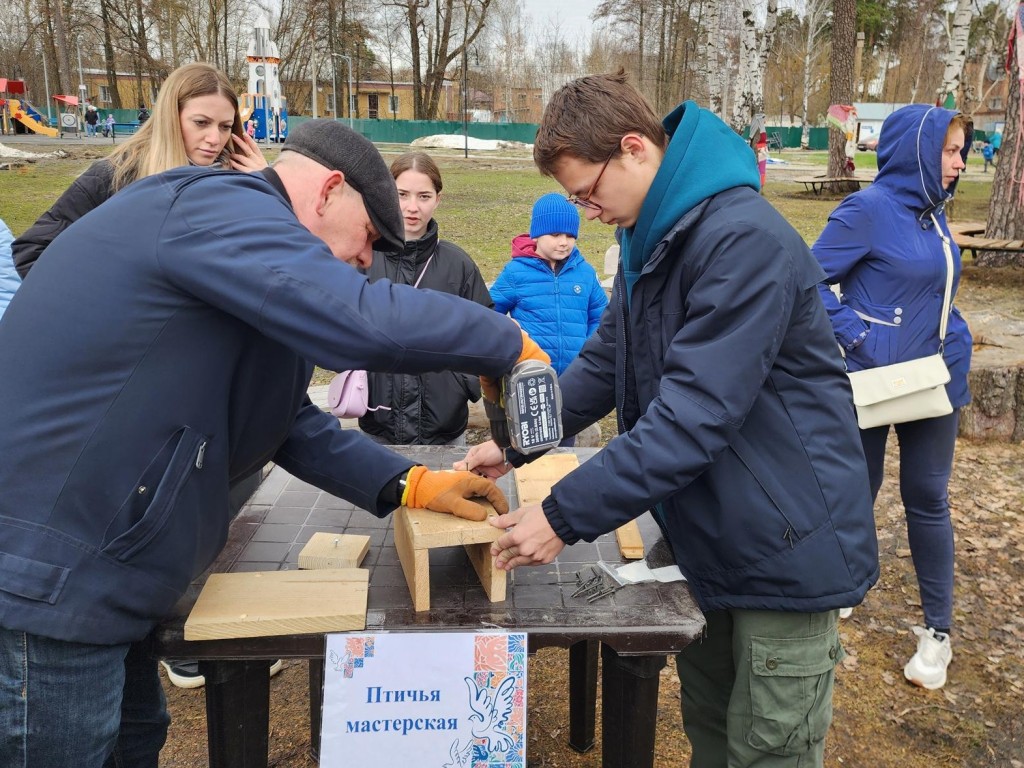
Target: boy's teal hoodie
[{"x": 704, "y": 157}]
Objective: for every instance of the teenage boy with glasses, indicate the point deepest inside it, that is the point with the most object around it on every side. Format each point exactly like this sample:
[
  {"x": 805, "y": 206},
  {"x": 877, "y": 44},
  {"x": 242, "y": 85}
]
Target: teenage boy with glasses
[{"x": 736, "y": 419}]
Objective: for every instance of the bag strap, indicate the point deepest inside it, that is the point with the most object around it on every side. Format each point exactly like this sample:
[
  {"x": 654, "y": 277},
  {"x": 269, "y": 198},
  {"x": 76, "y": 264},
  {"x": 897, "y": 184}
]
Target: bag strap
[
  {"x": 424, "y": 270},
  {"x": 948, "y": 296}
]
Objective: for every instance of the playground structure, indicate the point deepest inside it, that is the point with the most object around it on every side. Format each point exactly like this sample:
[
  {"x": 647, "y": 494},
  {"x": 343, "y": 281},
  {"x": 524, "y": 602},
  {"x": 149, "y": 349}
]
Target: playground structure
[
  {"x": 18, "y": 114},
  {"x": 264, "y": 111}
]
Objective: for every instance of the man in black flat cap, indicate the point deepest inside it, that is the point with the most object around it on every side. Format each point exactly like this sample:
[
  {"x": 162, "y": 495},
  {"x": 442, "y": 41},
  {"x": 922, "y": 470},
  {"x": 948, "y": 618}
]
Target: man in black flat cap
[{"x": 142, "y": 382}]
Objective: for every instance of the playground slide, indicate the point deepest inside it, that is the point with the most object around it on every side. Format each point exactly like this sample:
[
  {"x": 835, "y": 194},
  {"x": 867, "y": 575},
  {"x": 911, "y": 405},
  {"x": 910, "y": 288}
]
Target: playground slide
[{"x": 29, "y": 118}]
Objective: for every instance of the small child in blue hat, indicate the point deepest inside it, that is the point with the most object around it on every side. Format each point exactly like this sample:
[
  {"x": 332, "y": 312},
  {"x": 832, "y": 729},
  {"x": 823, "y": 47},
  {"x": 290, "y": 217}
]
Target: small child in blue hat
[{"x": 548, "y": 287}]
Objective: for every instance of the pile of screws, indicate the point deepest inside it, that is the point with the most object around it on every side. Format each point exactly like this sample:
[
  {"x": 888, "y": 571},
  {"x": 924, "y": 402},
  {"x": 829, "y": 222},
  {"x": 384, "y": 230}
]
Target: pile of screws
[{"x": 594, "y": 586}]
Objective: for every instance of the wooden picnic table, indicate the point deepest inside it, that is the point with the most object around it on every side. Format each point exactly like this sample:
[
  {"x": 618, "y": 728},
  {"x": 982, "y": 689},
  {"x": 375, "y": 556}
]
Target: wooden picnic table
[
  {"x": 817, "y": 184},
  {"x": 970, "y": 236}
]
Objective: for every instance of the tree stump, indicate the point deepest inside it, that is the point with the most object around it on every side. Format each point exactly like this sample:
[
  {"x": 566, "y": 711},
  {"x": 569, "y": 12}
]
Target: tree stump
[{"x": 996, "y": 378}]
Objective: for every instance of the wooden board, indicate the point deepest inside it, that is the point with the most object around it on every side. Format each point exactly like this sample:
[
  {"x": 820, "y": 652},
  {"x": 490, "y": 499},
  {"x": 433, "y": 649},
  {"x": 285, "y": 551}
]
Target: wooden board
[
  {"x": 534, "y": 480},
  {"x": 631, "y": 544},
  {"x": 533, "y": 484},
  {"x": 439, "y": 529},
  {"x": 333, "y": 550},
  {"x": 263, "y": 604}
]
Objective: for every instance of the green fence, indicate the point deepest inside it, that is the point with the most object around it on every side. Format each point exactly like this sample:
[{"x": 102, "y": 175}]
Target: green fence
[
  {"x": 404, "y": 131},
  {"x": 817, "y": 139}
]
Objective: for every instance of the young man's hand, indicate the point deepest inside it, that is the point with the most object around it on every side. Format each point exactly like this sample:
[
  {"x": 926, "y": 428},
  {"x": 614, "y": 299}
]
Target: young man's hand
[
  {"x": 485, "y": 459},
  {"x": 528, "y": 539}
]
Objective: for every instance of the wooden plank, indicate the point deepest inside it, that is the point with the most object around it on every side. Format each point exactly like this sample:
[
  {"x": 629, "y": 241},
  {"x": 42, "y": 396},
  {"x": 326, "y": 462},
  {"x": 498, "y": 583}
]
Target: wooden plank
[
  {"x": 439, "y": 529},
  {"x": 631, "y": 544},
  {"x": 534, "y": 480},
  {"x": 263, "y": 604},
  {"x": 494, "y": 581},
  {"x": 415, "y": 562},
  {"x": 333, "y": 550}
]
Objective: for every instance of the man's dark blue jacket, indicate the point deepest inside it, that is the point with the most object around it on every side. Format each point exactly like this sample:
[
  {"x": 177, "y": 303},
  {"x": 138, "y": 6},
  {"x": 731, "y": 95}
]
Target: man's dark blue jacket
[
  {"x": 737, "y": 420},
  {"x": 139, "y": 382}
]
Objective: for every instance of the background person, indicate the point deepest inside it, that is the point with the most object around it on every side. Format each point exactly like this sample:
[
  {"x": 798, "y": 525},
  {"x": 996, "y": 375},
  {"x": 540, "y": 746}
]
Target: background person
[
  {"x": 9, "y": 280},
  {"x": 195, "y": 118},
  {"x": 92, "y": 119},
  {"x": 548, "y": 287},
  {"x": 176, "y": 361},
  {"x": 428, "y": 409},
  {"x": 882, "y": 247},
  {"x": 736, "y": 416}
]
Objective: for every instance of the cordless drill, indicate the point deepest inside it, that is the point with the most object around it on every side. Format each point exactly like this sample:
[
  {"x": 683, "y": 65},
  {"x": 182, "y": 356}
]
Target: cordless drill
[{"x": 528, "y": 416}]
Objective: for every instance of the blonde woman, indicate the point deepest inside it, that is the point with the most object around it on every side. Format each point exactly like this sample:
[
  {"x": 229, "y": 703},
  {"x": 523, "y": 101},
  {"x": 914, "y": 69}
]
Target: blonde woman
[{"x": 195, "y": 121}]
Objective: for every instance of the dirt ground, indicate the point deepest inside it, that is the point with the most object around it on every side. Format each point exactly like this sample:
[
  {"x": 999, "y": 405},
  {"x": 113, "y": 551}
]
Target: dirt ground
[{"x": 880, "y": 720}]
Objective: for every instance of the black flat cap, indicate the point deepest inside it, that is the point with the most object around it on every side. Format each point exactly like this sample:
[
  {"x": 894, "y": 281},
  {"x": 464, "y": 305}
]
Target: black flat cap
[{"x": 338, "y": 148}]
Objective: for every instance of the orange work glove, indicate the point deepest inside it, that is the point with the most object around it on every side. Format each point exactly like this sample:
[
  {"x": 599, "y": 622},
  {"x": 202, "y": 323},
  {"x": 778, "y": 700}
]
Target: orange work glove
[
  {"x": 531, "y": 351},
  {"x": 451, "y": 492}
]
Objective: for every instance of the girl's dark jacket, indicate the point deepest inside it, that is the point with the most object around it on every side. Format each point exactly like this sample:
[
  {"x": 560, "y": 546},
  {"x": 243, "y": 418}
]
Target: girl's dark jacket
[
  {"x": 736, "y": 417},
  {"x": 429, "y": 409},
  {"x": 86, "y": 192}
]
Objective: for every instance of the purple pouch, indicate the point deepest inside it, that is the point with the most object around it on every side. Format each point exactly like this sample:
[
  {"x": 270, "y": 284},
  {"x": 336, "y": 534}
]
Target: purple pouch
[{"x": 348, "y": 395}]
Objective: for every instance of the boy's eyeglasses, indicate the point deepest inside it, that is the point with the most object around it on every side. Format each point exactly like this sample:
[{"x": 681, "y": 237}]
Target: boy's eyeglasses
[{"x": 584, "y": 201}]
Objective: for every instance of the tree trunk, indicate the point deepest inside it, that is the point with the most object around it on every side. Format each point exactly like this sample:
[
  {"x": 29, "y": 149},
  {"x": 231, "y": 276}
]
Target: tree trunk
[
  {"x": 757, "y": 74},
  {"x": 1004, "y": 208},
  {"x": 108, "y": 56},
  {"x": 742, "y": 106},
  {"x": 844, "y": 32},
  {"x": 65, "y": 74},
  {"x": 957, "y": 54},
  {"x": 714, "y": 47}
]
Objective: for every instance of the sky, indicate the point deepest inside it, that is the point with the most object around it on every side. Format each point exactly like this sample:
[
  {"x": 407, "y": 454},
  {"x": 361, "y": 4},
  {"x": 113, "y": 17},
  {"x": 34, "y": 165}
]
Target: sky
[{"x": 573, "y": 15}]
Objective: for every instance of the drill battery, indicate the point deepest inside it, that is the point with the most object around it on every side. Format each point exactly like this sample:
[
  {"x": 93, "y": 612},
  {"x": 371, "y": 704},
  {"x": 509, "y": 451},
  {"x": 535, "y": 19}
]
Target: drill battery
[{"x": 531, "y": 419}]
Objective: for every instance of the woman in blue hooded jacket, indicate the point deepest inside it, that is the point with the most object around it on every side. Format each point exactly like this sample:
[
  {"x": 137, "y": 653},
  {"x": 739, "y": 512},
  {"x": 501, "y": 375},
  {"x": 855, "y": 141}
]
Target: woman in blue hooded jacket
[{"x": 884, "y": 247}]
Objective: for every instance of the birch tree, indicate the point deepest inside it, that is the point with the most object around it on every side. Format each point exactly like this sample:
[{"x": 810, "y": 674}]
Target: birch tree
[
  {"x": 957, "y": 54},
  {"x": 749, "y": 86},
  {"x": 713, "y": 50},
  {"x": 817, "y": 15}
]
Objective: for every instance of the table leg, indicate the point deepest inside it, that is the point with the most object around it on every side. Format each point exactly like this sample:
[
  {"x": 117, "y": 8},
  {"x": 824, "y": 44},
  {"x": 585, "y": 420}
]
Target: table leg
[
  {"x": 237, "y": 712},
  {"x": 316, "y": 696},
  {"x": 629, "y": 708},
  {"x": 582, "y": 694}
]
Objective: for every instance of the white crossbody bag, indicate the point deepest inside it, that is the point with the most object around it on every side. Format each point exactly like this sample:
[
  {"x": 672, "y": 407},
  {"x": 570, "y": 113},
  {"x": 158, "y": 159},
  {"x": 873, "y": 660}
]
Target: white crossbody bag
[{"x": 912, "y": 390}]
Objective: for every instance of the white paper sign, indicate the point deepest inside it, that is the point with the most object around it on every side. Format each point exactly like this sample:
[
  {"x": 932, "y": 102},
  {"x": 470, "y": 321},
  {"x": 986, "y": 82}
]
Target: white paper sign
[{"x": 442, "y": 700}]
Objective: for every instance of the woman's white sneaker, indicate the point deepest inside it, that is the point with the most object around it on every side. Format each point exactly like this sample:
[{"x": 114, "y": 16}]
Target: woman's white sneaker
[{"x": 927, "y": 667}]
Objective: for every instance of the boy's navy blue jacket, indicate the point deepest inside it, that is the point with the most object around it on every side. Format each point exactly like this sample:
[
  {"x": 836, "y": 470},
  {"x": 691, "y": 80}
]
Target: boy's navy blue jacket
[
  {"x": 559, "y": 310},
  {"x": 139, "y": 382},
  {"x": 737, "y": 420},
  {"x": 881, "y": 246}
]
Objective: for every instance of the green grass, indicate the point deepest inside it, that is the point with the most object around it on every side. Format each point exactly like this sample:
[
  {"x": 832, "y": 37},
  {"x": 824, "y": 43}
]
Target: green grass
[{"x": 486, "y": 200}]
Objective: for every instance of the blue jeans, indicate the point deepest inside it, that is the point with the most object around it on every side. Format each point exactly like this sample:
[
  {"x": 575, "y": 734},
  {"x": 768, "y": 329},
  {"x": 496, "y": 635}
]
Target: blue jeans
[
  {"x": 90, "y": 129},
  {"x": 76, "y": 704},
  {"x": 926, "y": 462}
]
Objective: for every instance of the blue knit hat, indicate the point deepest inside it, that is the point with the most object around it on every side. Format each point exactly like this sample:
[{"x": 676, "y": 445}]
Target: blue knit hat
[{"x": 554, "y": 215}]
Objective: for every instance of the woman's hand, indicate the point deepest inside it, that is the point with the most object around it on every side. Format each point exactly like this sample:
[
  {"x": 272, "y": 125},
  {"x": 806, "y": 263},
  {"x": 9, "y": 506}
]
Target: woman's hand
[
  {"x": 245, "y": 154},
  {"x": 486, "y": 459}
]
